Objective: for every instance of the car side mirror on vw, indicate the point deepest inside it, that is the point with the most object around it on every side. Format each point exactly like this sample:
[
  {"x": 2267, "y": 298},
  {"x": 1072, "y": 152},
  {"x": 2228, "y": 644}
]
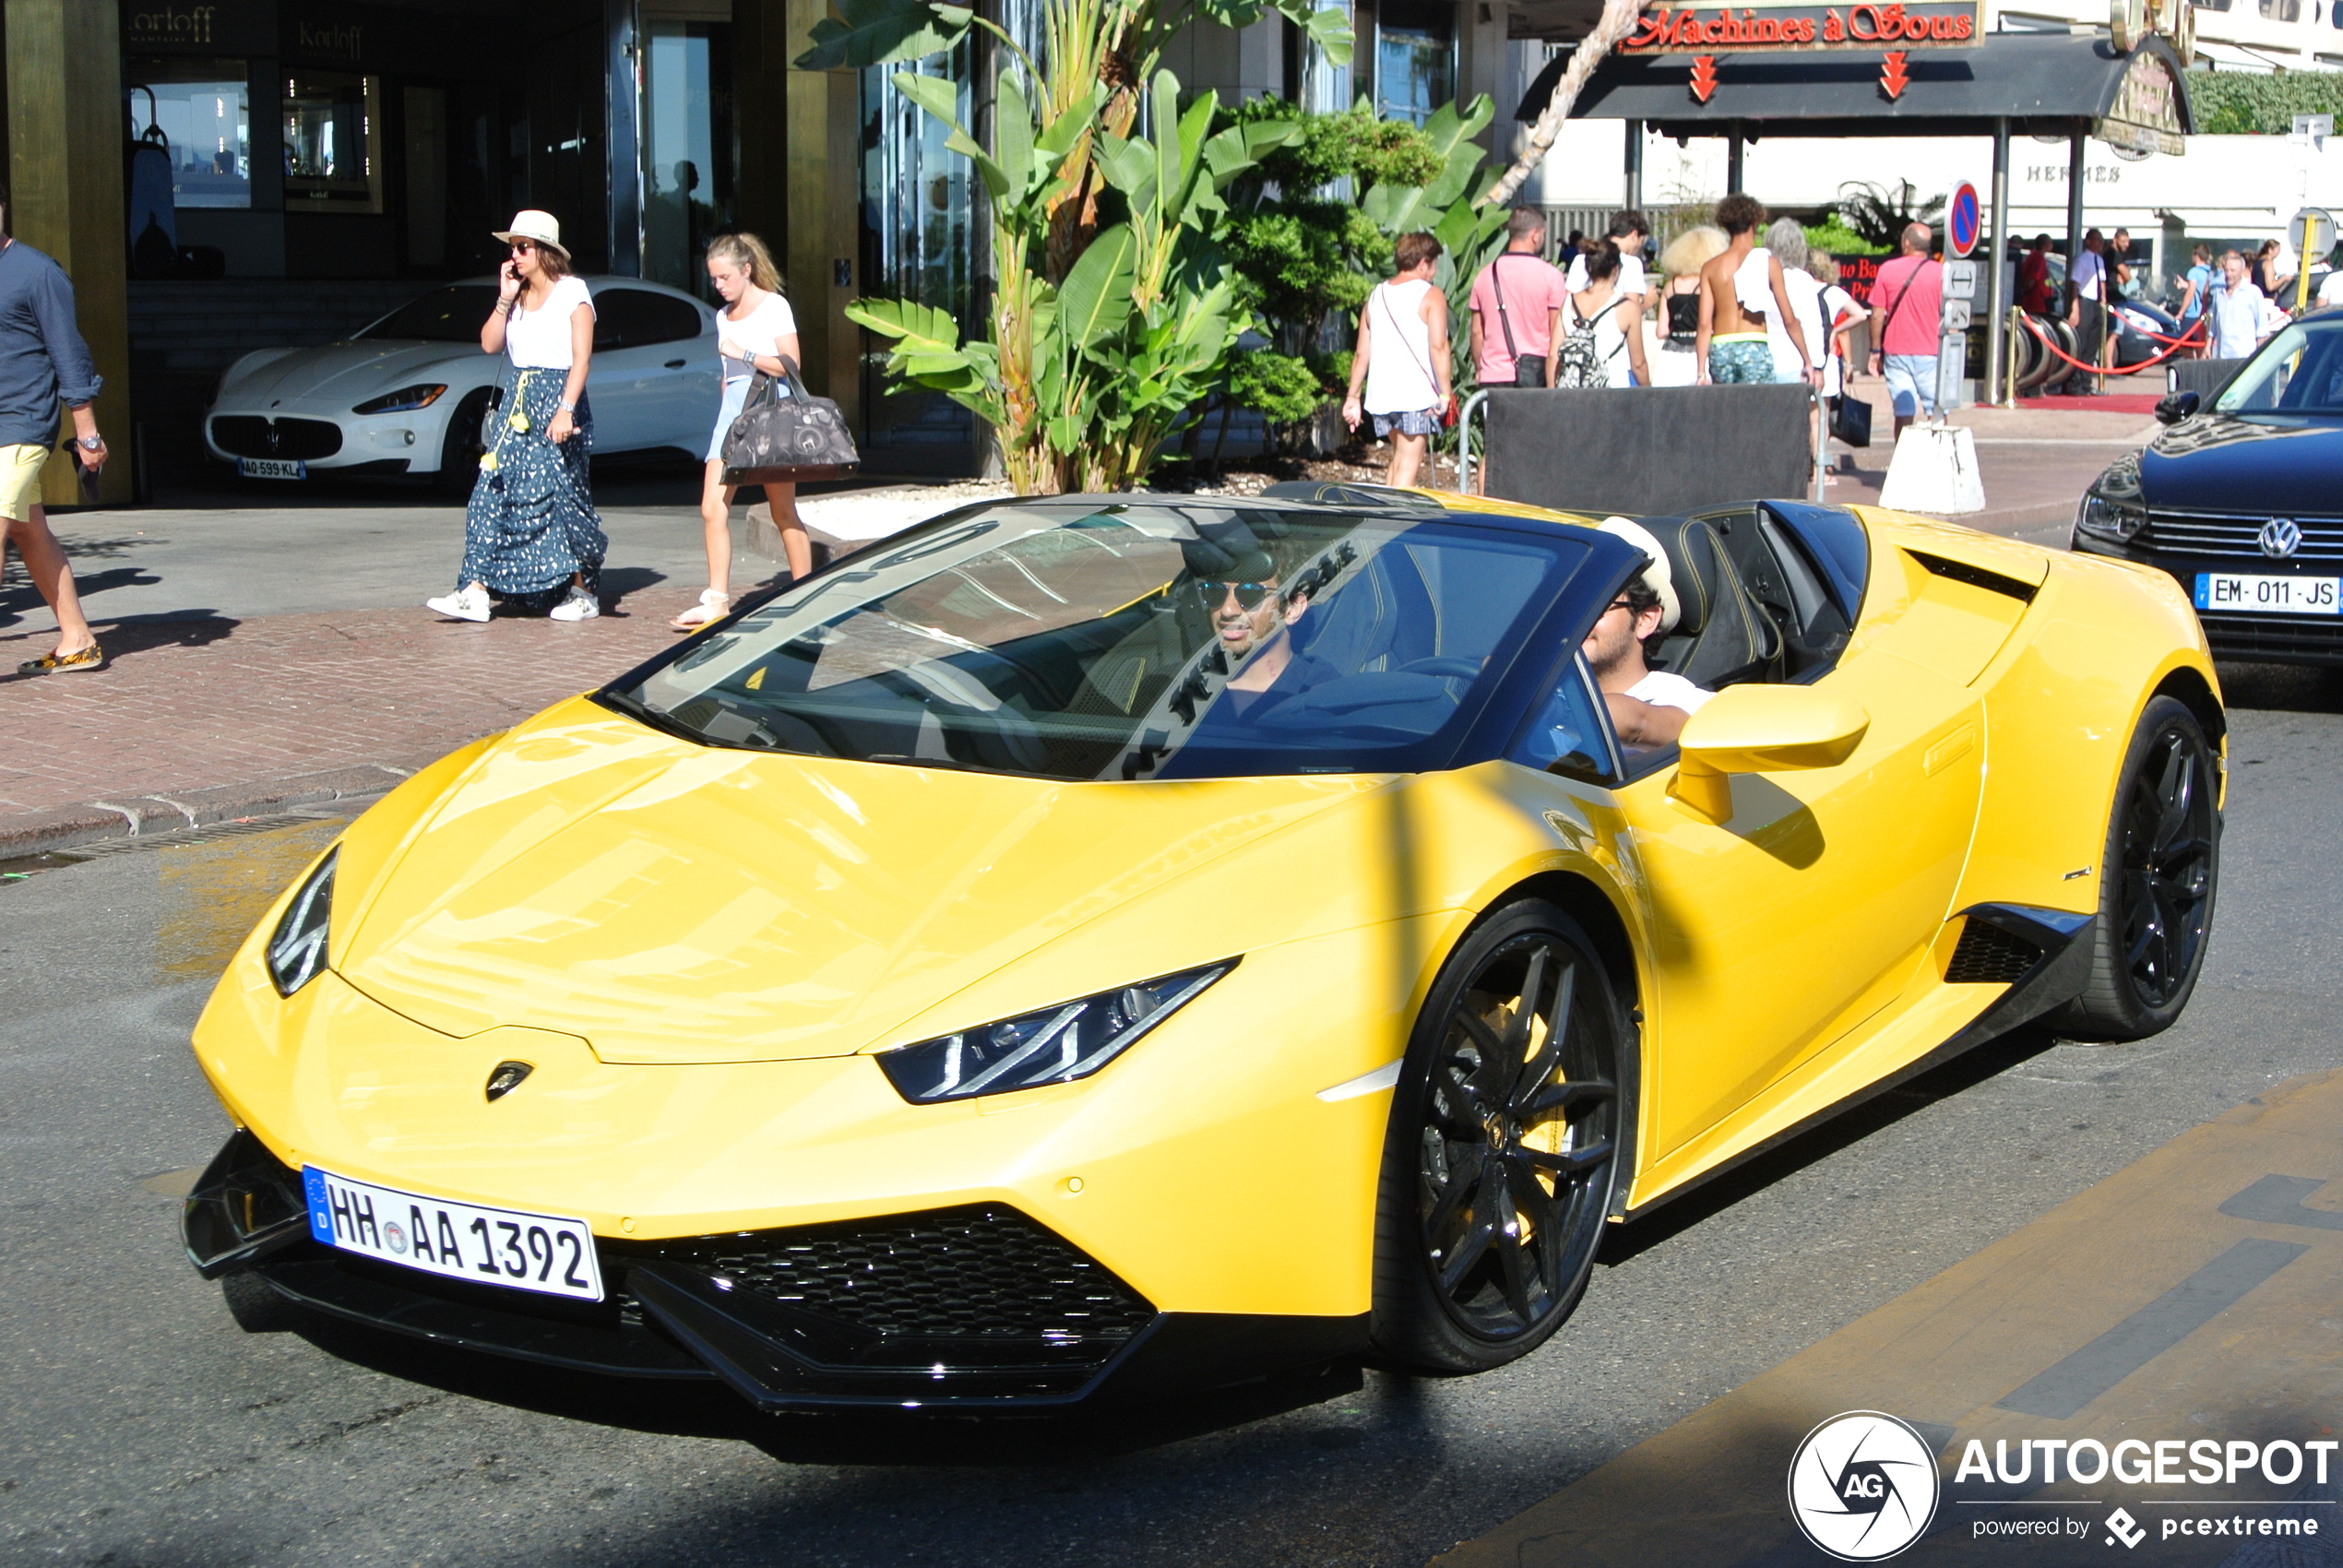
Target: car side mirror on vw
[{"x": 2174, "y": 407}]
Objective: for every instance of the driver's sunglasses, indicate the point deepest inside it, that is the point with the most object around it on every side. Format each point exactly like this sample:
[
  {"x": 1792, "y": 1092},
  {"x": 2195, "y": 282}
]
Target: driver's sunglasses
[
  {"x": 1249, "y": 595},
  {"x": 1618, "y": 604},
  {"x": 522, "y": 247}
]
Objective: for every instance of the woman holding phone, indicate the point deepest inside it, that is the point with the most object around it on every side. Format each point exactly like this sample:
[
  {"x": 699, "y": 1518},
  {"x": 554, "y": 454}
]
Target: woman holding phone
[
  {"x": 753, "y": 330},
  {"x": 530, "y": 534}
]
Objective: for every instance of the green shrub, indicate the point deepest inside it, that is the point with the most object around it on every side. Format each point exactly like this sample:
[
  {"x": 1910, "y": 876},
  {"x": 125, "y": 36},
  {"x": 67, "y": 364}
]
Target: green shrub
[
  {"x": 2249, "y": 103},
  {"x": 1838, "y": 239}
]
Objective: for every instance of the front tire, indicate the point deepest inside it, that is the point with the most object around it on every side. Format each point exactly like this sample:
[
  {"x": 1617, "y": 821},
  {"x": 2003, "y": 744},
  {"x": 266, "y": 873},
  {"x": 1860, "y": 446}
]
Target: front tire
[
  {"x": 1504, "y": 1147},
  {"x": 2158, "y": 874},
  {"x": 459, "y": 450}
]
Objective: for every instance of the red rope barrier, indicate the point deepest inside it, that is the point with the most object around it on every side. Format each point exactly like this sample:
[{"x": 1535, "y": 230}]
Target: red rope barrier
[{"x": 2043, "y": 337}]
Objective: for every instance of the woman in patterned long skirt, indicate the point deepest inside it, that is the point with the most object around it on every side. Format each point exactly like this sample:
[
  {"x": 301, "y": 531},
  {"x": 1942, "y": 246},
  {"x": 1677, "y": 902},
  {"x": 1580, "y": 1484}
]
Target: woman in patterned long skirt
[{"x": 530, "y": 532}]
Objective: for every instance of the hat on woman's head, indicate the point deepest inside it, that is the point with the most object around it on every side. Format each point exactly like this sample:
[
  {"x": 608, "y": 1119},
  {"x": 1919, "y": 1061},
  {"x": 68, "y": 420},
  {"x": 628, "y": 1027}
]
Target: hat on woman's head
[
  {"x": 542, "y": 227},
  {"x": 1656, "y": 576}
]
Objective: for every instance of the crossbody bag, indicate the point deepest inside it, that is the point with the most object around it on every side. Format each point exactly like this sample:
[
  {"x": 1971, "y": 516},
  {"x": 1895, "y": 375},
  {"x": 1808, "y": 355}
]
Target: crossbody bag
[
  {"x": 1526, "y": 372},
  {"x": 1447, "y": 412}
]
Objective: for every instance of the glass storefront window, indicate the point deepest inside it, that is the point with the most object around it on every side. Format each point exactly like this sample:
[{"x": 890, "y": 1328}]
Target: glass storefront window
[
  {"x": 919, "y": 243},
  {"x": 333, "y": 142},
  {"x": 687, "y": 149},
  {"x": 1415, "y": 68},
  {"x": 201, "y": 106}
]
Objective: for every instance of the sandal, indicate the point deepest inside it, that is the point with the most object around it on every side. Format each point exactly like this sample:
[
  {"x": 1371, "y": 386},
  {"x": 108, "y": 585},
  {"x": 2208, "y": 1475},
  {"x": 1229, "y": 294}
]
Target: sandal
[
  {"x": 712, "y": 606},
  {"x": 81, "y": 659}
]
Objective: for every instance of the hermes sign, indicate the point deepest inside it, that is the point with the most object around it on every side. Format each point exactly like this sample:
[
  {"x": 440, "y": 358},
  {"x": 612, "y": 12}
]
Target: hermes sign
[{"x": 1798, "y": 24}]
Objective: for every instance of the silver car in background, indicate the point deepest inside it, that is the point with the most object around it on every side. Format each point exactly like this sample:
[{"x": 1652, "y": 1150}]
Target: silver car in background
[{"x": 405, "y": 396}]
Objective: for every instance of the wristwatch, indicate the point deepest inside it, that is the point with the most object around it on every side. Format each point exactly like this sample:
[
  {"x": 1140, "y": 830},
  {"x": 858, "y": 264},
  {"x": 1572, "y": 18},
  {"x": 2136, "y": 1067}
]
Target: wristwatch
[
  {"x": 567, "y": 408},
  {"x": 91, "y": 443}
]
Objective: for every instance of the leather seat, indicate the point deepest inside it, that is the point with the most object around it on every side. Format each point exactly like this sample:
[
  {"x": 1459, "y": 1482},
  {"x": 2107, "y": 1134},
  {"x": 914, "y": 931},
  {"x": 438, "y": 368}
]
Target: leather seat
[{"x": 1724, "y": 635}]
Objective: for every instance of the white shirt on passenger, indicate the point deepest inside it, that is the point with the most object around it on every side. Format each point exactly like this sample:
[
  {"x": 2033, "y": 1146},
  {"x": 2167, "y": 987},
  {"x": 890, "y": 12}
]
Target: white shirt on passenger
[
  {"x": 1662, "y": 690},
  {"x": 1630, "y": 274},
  {"x": 539, "y": 339},
  {"x": 760, "y": 332}
]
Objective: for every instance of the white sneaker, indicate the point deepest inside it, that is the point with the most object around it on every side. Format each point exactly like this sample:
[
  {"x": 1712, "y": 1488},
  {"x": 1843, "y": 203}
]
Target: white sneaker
[
  {"x": 464, "y": 604},
  {"x": 580, "y": 606}
]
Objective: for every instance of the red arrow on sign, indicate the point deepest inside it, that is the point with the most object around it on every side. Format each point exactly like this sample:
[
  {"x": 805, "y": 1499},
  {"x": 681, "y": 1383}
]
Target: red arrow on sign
[
  {"x": 1704, "y": 75},
  {"x": 1892, "y": 78}
]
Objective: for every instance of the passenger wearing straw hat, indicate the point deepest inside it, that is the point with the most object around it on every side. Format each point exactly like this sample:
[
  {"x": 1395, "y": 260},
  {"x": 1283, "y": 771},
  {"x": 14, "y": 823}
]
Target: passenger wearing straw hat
[
  {"x": 1648, "y": 707},
  {"x": 532, "y": 537}
]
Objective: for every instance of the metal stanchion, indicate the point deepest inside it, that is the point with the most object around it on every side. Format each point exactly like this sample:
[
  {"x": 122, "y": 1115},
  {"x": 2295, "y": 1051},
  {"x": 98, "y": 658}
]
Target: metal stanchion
[
  {"x": 1821, "y": 444},
  {"x": 1464, "y": 441},
  {"x": 2016, "y": 330}
]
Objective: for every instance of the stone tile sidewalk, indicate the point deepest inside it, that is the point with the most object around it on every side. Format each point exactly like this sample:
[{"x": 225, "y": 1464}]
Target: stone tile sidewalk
[{"x": 204, "y": 720}]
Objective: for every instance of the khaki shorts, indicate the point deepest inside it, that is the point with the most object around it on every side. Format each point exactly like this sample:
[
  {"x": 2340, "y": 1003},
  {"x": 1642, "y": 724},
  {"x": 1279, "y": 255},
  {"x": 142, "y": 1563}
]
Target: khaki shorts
[{"x": 20, "y": 480}]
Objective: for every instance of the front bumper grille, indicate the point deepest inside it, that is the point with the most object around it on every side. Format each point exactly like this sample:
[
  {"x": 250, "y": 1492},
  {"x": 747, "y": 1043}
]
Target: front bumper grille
[
  {"x": 252, "y": 435},
  {"x": 2237, "y": 538},
  {"x": 2309, "y": 639}
]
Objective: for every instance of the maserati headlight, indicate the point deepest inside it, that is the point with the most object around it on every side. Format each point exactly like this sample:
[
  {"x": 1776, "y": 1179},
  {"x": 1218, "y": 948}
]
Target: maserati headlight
[
  {"x": 405, "y": 400},
  {"x": 297, "y": 950},
  {"x": 1055, "y": 1045}
]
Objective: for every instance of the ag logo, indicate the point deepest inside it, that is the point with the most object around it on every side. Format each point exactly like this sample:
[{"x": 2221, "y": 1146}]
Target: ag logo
[{"x": 1863, "y": 1486}]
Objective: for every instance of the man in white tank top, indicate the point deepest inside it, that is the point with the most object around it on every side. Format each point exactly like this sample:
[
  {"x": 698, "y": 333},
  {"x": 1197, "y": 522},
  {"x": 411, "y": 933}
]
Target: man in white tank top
[{"x": 1400, "y": 374}]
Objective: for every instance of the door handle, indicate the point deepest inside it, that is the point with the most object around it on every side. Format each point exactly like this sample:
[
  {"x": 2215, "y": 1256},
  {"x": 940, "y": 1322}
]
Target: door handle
[{"x": 675, "y": 364}]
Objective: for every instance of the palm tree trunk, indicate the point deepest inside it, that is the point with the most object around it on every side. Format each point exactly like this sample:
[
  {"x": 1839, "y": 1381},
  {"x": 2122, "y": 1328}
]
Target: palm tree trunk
[{"x": 1618, "y": 20}]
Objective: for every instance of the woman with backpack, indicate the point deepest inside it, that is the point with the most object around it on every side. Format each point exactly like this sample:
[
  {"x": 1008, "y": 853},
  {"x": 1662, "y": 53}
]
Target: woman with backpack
[{"x": 1602, "y": 328}]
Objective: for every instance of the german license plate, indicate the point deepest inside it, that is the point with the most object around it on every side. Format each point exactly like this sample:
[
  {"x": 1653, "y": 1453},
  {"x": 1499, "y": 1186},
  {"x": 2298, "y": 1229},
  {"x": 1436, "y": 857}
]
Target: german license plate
[
  {"x": 2266, "y": 595},
  {"x": 487, "y": 1246},
  {"x": 272, "y": 467}
]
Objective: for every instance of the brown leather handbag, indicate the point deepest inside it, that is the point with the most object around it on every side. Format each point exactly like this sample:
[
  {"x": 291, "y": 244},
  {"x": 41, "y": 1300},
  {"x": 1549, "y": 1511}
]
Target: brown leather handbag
[{"x": 787, "y": 440}]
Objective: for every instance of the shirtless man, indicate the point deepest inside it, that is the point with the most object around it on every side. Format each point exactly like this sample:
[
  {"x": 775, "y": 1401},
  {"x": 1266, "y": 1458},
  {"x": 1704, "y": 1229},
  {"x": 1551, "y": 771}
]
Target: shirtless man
[{"x": 1731, "y": 344}]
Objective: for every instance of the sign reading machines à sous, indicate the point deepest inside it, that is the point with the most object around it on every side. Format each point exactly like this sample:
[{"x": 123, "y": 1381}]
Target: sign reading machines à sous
[{"x": 1800, "y": 24}]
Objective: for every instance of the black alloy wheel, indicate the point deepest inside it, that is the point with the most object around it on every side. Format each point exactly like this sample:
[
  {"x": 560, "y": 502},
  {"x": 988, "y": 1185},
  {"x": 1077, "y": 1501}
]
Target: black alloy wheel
[
  {"x": 2157, "y": 883},
  {"x": 460, "y": 451},
  {"x": 1504, "y": 1148}
]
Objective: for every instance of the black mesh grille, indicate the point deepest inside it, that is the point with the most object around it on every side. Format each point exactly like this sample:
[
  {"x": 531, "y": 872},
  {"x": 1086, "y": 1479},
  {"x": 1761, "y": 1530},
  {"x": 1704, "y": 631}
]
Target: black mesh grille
[
  {"x": 1987, "y": 955},
  {"x": 2208, "y": 534},
  {"x": 976, "y": 1273},
  {"x": 248, "y": 436},
  {"x": 2312, "y": 638}
]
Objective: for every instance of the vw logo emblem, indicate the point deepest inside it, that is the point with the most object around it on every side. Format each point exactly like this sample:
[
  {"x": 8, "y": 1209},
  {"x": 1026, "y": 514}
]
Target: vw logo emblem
[{"x": 2281, "y": 537}]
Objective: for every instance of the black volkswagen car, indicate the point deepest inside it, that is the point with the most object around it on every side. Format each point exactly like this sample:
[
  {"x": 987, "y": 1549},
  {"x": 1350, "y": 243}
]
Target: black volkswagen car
[{"x": 2243, "y": 501}]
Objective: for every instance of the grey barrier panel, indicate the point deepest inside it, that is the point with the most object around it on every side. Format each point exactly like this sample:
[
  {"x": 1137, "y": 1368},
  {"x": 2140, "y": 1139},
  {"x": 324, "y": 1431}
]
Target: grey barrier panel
[
  {"x": 1649, "y": 449},
  {"x": 2204, "y": 378}
]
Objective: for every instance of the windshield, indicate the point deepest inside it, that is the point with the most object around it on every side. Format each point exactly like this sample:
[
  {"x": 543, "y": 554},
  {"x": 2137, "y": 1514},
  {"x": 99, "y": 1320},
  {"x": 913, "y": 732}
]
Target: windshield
[
  {"x": 453, "y": 315},
  {"x": 1125, "y": 641},
  {"x": 2299, "y": 371}
]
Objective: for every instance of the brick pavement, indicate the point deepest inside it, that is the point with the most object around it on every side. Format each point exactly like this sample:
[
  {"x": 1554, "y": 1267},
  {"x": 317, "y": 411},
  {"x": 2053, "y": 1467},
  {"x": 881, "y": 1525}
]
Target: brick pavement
[{"x": 200, "y": 719}]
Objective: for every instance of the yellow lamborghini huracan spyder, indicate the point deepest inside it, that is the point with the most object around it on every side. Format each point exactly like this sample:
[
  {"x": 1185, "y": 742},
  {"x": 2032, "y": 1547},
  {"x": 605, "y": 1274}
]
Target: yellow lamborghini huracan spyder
[{"x": 1100, "y": 944}]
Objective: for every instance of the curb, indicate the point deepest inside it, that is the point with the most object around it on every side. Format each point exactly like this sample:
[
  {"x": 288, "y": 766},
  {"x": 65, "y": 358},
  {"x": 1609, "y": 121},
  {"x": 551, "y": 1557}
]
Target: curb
[{"x": 130, "y": 816}]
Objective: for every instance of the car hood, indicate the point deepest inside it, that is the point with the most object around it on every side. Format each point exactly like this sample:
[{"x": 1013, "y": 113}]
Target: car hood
[
  {"x": 344, "y": 372},
  {"x": 673, "y": 903},
  {"x": 2217, "y": 463}
]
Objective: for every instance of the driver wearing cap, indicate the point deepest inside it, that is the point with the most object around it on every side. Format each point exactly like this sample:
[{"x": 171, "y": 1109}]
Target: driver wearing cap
[{"x": 1648, "y": 707}]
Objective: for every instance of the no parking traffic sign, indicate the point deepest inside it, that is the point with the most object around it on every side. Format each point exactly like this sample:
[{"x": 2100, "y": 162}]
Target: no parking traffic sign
[{"x": 1962, "y": 220}]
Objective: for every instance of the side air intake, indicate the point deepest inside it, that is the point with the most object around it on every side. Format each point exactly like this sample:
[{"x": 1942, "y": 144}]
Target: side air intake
[{"x": 1987, "y": 955}]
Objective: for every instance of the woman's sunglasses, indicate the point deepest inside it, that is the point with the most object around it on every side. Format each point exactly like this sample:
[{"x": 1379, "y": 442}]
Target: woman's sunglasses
[
  {"x": 522, "y": 247},
  {"x": 1249, "y": 595}
]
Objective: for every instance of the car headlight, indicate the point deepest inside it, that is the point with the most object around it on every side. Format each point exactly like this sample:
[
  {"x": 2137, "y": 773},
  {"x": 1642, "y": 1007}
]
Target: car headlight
[
  {"x": 1056, "y": 1045},
  {"x": 297, "y": 949},
  {"x": 404, "y": 401},
  {"x": 2114, "y": 506}
]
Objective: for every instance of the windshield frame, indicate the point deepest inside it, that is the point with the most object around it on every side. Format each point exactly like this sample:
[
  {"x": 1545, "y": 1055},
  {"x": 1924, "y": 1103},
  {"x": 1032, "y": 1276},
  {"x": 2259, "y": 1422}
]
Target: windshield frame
[
  {"x": 2294, "y": 337},
  {"x": 1488, "y": 713}
]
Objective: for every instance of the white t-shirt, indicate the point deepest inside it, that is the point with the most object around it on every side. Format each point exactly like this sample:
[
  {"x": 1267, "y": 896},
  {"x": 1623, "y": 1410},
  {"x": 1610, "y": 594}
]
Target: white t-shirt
[
  {"x": 1805, "y": 292},
  {"x": 760, "y": 332},
  {"x": 2091, "y": 274},
  {"x": 1838, "y": 305},
  {"x": 1399, "y": 378},
  {"x": 539, "y": 339},
  {"x": 2331, "y": 291},
  {"x": 1662, "y": 690},
  {"x": 1630, "y": 274}
]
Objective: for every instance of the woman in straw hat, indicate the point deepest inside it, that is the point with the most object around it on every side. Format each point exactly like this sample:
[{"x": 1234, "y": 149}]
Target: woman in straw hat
[{"x": 530, "y": 534}]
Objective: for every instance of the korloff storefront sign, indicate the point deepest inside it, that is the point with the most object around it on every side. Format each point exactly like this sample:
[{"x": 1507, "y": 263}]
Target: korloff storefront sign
[
  {"x": 1798, "y": 24},
  {"x": 2146, "y": 115}
]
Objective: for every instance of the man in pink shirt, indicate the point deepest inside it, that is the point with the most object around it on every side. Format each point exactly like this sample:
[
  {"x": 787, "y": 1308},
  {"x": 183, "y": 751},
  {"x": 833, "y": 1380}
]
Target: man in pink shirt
[
  {"x": 1516, "y": 308},
  {"x": 1906, "y": 317}
]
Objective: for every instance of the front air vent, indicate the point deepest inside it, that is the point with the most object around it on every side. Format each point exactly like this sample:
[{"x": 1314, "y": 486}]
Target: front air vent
[{"x": 1986, "y": 955}]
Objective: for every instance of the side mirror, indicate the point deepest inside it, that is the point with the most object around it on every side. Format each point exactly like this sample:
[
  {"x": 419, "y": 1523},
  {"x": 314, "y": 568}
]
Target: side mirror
[
  {"x": 2174, "y": 407},
  {"x": 1761, "y": 729}
]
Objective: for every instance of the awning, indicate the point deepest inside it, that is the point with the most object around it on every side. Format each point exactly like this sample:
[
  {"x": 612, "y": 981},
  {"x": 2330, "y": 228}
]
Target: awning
[{"x": 2045, "y": 84}]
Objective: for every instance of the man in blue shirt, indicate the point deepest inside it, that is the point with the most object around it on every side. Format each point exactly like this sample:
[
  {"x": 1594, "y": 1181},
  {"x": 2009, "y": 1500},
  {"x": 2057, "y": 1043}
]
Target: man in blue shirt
[
  {"x": 2197, "y": 289},
  {"x": 44, "y": 363}
]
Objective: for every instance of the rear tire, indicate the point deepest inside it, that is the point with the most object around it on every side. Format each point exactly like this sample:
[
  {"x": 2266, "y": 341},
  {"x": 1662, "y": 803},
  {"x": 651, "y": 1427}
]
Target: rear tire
[
  {"x": 2158, "y": 871},
  {"x": 459, "y": 450},
  {"x": 1504, "y": 1147}
]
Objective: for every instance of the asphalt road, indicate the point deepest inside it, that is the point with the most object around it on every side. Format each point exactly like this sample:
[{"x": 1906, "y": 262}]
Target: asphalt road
[{"x": 142, "y": 1423}]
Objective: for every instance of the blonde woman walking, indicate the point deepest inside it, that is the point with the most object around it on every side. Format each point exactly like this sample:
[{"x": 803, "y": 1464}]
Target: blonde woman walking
[
  {"x": 531, "y": 530},
  {"x": 1677, "y": 325},
  {"x": 753, "y": 330}
]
